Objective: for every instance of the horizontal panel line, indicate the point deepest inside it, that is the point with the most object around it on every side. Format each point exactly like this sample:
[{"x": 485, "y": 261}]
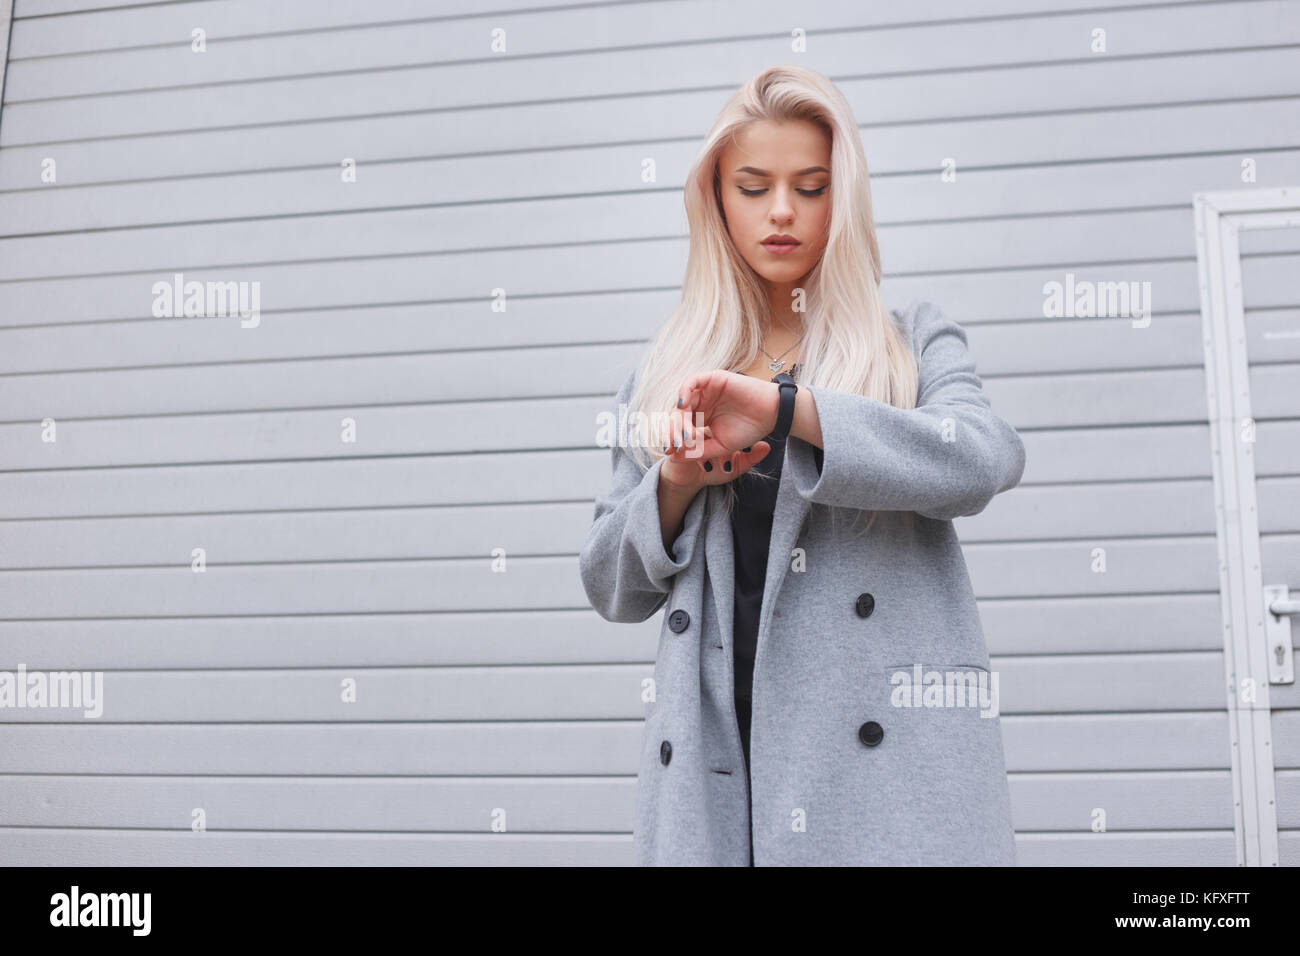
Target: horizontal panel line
[
  {"x": 675, "y": 43},
  {"x": 358, "y": 306},
  {"x": 157, "y": 271},
  {"x": 510, "y": 503},
  {"x": 900, "y": 173},
  {"x": 1056, "y": 113},
  {"x": 580, "y": 54},
  {"x": 1122, "y": 656},
  {"x": 523, "y": 555},
  {"x": 560, "y": 6},
  {"x": 319, "y": 668},
  {"x": 589, "y": 502},
  {"x": 469, "y": 350},
  {"x": 504, "y": 778},
  {"x": 378, "y": 721},
  {"x": 527, "y": 401},
  {"x": 309, "y": 31},
  {"x": 584, "y": 609},
  {"x": 1027, "y": 775},
  {"x": 1024, "y": 430},
  {"x": 529, "y": 351},
  {"x": 1085, "y": 832},
  {"x": 330, "y": 614},
  {"x": 553, "y": 721},
  {"x": 89, "y": 9},
  {"x": 442, "y": 559},
  {"x": 1171, "y": 831},
  {"x": 458, "y": 834},
  {"x": 282, "y": 461},
  {"x": 668, "y": 191},
  {"x": 983, "y": 271}
]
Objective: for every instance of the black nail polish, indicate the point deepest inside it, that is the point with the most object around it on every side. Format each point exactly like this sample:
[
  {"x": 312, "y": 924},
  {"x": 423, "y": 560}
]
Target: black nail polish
[
  {"x": 665, "y": 449},
  {"x": 749, "y": 449},
  {"x": 683, "y": 436},
  {"x": 726, "y": 466},
  {"x": 708, "y": 466},
  {"x": 679, "y": 403}
]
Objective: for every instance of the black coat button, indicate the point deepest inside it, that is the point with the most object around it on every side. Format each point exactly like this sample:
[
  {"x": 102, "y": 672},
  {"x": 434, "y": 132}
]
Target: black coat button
[
  {"x": 866, "y": 604},
  {"x": 679, "y": 621},
  {"x": 871, "y": 733},
  {"x": 665, "y": 752}
]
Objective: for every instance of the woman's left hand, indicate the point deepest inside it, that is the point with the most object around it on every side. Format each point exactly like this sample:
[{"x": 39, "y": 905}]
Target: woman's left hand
[{"x": 738, "y": 409}]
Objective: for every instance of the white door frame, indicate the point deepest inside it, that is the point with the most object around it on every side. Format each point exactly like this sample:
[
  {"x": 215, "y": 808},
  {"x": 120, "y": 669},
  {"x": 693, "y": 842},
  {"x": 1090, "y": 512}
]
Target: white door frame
[{"x": 1220, "y": 217}]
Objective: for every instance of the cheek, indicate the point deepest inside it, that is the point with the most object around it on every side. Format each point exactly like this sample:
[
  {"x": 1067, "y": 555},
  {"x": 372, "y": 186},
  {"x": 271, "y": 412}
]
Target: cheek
[
  {"x": 821, "y": 226},
  {"x": 740, "y": 219}
]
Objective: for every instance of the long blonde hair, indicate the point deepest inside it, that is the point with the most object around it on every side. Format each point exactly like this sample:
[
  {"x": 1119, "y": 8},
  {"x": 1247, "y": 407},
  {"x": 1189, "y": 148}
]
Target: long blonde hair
[{"x": 850, "y": 342}]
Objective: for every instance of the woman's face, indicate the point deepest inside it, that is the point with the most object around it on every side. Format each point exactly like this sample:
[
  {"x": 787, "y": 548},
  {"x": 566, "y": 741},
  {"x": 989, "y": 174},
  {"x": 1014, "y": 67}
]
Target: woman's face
[{"x": 775, "y": 181}]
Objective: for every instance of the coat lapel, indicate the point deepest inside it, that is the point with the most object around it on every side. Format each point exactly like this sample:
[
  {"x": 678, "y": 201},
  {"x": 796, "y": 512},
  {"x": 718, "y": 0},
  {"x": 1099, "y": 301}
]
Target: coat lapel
[
  {"x": 787, "y": 522},
  {"x": 719, "y": 548},
  {"x": 719, "y": 552}
]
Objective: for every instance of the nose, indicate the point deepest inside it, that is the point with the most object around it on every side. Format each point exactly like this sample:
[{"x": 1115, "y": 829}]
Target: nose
[{"x": 782, "y": 210}]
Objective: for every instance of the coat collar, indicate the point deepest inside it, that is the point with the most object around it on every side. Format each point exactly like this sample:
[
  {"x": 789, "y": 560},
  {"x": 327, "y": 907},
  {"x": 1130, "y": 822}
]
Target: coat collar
[{"x": 719, "y": 548}]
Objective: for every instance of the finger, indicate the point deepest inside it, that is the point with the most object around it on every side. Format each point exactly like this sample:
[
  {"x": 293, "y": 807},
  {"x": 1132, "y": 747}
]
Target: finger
[
  {"x": 697, "y": 391},
  {"x": 743, "y": 461},
  {"x": 706, "y": 446},
  {"x": 673, "y": 437},
  {"x": 687, "y": 395},
  {"x": 691, "y": 447}
]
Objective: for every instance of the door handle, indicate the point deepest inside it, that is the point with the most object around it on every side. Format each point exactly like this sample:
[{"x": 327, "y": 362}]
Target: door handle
[
  {"x": 1284, "y": 607},
  {"x": 1277, "y": 633}
]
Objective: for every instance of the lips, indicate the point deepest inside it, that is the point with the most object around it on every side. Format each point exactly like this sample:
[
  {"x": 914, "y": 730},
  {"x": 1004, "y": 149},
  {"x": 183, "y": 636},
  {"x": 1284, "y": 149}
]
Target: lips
[{"x": 780, "y": 240}]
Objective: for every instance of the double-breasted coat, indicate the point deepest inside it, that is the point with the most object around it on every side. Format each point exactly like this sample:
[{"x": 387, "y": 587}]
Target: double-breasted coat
[{"x": 860, "y": 755}]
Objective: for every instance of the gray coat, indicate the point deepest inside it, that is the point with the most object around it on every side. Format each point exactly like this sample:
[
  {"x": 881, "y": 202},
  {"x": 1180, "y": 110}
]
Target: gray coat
[{"x": 850, "y": 765}]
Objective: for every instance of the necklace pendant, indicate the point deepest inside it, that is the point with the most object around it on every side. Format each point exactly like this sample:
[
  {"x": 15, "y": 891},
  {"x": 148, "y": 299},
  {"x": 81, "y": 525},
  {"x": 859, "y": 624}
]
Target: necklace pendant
[{"x": 776, "y": 364}]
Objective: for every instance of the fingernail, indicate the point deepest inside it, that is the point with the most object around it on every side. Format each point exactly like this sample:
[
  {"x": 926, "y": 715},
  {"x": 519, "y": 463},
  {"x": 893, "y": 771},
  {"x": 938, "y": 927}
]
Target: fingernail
[
  {"x": 665, "y": 448},
  {"x": 708, "y": 466},
  {"x": 748, "y": 449},
  {"x": 679, "y": 403},
  {"x": 726, "y": 466}
]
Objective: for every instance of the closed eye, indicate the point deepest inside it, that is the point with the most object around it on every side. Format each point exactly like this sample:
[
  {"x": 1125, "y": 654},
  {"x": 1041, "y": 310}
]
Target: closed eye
[{"x": 803, "y": 192}]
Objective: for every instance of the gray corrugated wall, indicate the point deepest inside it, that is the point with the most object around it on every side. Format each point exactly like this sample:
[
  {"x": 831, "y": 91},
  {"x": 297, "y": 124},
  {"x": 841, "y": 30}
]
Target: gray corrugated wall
[{"x": 479, "y": 690}]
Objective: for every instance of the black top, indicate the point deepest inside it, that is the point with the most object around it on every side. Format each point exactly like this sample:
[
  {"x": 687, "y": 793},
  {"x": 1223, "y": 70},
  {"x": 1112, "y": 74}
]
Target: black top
[{"x": 751, "y": 528}]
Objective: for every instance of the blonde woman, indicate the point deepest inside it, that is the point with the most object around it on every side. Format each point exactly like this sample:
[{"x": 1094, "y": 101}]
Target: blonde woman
[{"x": 822, "y": 689}]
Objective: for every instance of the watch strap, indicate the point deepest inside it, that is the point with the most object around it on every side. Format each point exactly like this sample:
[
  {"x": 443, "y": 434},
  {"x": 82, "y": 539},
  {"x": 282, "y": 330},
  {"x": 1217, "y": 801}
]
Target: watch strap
[{"x": 785, "y": 411}]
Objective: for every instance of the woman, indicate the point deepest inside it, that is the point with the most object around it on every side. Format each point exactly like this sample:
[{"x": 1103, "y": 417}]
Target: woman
[{"x": 822, "y": 690}]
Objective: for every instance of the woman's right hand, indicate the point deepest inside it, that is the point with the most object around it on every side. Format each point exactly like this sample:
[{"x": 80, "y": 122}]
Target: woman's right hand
[{"x": 692, "y": 474}]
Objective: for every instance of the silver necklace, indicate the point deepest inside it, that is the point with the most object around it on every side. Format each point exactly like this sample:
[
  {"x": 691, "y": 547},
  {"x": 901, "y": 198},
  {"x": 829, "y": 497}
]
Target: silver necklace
[{"x": 778, "y": 362}]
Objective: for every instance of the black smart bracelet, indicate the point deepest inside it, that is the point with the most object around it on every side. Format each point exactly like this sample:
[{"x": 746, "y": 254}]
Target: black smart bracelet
[{"x": 785, "y": 413}]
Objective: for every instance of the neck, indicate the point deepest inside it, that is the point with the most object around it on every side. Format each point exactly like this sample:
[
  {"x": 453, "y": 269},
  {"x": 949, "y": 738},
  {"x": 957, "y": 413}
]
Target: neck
[{"x": 780, "y": 298}]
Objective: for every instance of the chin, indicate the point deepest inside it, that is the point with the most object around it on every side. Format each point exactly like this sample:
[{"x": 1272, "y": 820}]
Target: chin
[{"x": 790, "y": 272}]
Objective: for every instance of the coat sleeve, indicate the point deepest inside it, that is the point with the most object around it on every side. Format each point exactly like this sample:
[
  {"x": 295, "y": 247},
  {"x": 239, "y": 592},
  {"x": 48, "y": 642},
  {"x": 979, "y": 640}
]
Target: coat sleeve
[
  {"x": 943, "y": 459},
  {"x": 626, "y": 571}
]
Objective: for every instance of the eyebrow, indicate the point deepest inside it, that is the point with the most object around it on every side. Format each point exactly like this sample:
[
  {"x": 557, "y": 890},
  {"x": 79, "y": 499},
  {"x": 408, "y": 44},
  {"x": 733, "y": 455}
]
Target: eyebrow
[{"x": 763, "y": 172}]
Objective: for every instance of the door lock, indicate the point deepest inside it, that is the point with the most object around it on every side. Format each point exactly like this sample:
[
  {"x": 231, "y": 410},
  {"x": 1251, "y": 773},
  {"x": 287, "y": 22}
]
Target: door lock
[{"x": 1279, "y": 608}]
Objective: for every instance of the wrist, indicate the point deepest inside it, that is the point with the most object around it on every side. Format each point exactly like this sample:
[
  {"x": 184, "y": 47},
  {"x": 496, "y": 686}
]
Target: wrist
[
  {"x": 787, "y": 392},
  {"x": 673, "y": 485}
]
